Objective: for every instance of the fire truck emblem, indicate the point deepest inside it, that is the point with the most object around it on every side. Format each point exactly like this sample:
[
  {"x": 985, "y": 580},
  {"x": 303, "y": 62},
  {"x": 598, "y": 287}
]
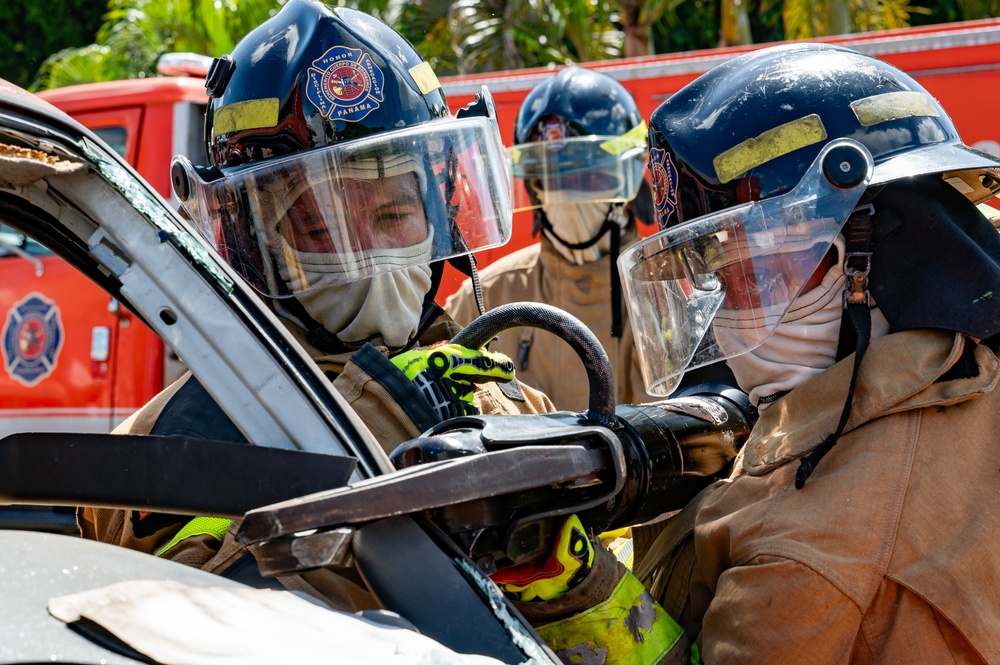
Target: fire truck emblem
[
  {"x": 32, "y": 339},
  {"x": 345, "y": 84},
  {"x": 553, "y": 131},
  {"x": 664, "y": 176}
]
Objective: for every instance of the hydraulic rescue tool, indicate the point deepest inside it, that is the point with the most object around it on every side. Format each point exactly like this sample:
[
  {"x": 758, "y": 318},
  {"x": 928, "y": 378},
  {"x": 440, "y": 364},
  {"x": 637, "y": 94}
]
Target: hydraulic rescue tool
[{"x": 499, "y": 486}]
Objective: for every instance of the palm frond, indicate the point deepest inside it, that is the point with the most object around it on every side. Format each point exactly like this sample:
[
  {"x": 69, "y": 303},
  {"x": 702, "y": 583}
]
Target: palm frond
[
  {"x": 72, "y": 66},
  {"x": 135, "y": 33}
]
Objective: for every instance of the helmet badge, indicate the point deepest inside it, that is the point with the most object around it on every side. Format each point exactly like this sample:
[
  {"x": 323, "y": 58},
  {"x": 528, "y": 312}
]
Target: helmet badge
[
  {"x": 664, "y": 176},
  {"x": 345, "y": 84},
  {"x": 553, "y": 132}
]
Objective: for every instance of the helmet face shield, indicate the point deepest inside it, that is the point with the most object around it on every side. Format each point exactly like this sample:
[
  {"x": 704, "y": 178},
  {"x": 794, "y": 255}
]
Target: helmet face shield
[
  {"x": 353, "y": 209},
  {"x": 717, "y": 286},
  {"x": 579, "y": 169}
]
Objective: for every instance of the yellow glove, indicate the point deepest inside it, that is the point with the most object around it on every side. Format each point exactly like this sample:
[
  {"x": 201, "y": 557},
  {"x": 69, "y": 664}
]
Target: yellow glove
[
  {"x": 563, "y": 569},
  {"x": 447, "y": 373}
]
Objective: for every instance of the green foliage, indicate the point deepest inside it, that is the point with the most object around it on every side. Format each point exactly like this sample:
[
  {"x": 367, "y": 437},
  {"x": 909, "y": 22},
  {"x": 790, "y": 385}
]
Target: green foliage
[
  {"x": 498, "y": 35},
  {"x": 804, "y": 19},
  {"x": 936, "y": 11},
  {"x": 135, "y": 33},
  {"x": 765, "y": 23},
  {"x": 687, "y": 26},
  {"x": 973, "y": 9},
  {"x": 455, "y": 36},
  {"x": 33, "y": 30}
]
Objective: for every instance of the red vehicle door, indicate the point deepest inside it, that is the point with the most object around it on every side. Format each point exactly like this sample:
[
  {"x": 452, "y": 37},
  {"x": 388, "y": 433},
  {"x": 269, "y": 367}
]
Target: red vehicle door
[{"x": 69, "y": 352}]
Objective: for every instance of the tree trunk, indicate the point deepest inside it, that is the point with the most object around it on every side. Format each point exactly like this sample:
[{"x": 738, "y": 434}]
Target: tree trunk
[
  {"x": 838, "y": 17},
  {"x": 638, "y": 36},
  {"x": 735, "y": 24}
]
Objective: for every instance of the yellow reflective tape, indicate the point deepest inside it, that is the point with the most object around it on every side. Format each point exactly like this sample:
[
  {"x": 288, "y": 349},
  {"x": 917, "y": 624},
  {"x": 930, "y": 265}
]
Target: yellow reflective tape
[
  {"x": 425, "y": 78},
  {"x": 199, "y": 526},
  {"x": 888, "y": 106},
  {"x": 624, "y": 551},
  {"x": 769, "y": 145},
  {"x": 633, "y": 138},
  {"x": 619, "y": 542},
  {"x": 615, "y": 534},
  {"x": 629, "y": 628},
  {"x": 251, "y": 114}
]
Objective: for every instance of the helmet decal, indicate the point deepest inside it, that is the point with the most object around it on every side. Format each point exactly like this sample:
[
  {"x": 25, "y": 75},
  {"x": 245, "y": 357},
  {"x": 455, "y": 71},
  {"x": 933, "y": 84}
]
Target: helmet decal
[
  {"x": 769, "y": 145},
  {"x": 345, "y": 84},
  {"x": 888, "y": 106},
  {"x": 553, "y": 130},
  {"x": 425, "y": 78},
  {"x": 251, "y": 114},
  {"x": 630, "y": 140},
  {"x": 664, "y": 175}
]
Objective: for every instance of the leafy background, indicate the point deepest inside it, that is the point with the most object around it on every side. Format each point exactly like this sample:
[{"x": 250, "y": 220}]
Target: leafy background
[{"x": 62, "y": 42}]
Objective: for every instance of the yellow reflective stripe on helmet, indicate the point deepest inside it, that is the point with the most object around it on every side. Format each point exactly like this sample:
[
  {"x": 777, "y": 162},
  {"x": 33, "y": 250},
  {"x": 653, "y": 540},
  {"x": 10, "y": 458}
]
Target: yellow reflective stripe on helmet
[
  {"x": 888, "y": 106},
  {"x": 633, "y": 138},
  {"x": 425, "y": 78},
  {"x": 629, "y": 628},
  {"x": 251, "y": 114},
  {"x": 769, "y": 145},
  {"x": 199, "y": 526}
]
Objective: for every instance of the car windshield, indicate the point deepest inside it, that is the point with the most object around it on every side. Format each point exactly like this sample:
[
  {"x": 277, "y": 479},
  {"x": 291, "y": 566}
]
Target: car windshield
[{"x": 12, "y": 241}]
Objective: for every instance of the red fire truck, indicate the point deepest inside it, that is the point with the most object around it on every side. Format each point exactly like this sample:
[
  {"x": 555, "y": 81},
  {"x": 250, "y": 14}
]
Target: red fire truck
[{"x": 73, "y": 360}]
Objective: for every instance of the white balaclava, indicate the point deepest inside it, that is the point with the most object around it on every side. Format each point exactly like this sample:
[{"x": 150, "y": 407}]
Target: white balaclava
[
  {"x": 386, "y": 305},
  {"x": 802, "y": 345},
  {"x": 384, "y": 308},
  {"x": 579, "y": 222}
]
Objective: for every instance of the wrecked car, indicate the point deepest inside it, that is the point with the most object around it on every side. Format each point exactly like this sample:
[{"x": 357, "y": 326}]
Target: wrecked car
[{"x": 314, "y": 489}]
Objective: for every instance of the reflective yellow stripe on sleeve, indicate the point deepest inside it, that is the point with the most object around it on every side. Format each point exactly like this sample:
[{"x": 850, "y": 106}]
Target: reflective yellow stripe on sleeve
[
  {"x": 619, "y": 542},
  {"x": 199, "y": 526},
  {"x": 629, "y": 628}
]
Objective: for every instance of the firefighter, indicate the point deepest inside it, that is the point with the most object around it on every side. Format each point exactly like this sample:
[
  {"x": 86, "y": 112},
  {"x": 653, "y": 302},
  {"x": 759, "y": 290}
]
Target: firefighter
[
  {"x": 829, "y": 247},
  {"x": 577, "y": 164},
  {"x": 339, "y": 182}
]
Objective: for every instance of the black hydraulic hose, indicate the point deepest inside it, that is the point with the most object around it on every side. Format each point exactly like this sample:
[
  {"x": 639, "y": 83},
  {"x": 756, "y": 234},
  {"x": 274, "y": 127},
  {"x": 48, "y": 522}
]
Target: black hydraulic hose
[{"x": 601, "y": 409}]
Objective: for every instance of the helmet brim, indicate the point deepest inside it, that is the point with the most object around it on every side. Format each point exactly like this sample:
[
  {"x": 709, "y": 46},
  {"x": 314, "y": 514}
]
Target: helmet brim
[{"x": 940, "y": 158}]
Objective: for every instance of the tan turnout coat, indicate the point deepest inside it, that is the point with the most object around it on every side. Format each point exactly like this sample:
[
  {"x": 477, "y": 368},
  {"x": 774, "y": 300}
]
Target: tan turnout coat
[
  {"x": 538, "y": 273},
  {"x": 888, "y": 554}
]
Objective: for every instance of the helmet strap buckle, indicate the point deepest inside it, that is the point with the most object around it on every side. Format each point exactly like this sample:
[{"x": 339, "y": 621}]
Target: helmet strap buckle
[{"x": 858, "y": 255}]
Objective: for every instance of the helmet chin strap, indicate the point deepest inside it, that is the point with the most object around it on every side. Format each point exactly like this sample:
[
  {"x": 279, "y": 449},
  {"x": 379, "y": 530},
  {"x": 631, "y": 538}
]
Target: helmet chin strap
[
  {"x": 612, "y": 227},
  {"x": 857, "y": 307}
]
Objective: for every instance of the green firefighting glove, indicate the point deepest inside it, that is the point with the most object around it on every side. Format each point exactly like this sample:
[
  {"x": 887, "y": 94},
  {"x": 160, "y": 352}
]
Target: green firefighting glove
[
  {"x": 563, "y": 569},
  {"x": 447, "y": 375}
]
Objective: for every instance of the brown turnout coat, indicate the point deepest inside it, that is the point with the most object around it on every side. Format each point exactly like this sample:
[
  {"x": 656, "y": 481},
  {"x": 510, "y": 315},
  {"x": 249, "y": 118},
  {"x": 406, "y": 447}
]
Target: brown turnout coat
[
  {"x": 888, "y": 554},
  {"x": 538, "y": 273}
]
